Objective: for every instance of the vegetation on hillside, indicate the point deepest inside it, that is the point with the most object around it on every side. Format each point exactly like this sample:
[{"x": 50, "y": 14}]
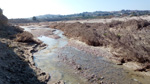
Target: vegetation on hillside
[{"x": 84, "y": 15}]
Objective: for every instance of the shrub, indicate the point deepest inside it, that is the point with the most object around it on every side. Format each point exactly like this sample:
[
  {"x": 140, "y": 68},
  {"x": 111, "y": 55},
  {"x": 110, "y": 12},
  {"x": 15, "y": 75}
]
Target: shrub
[{"x": 24, "y": 37}]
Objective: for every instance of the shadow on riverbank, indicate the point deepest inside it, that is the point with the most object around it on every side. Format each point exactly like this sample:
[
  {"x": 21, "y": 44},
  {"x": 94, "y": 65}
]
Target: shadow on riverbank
[{"x": 14, "y": 70}]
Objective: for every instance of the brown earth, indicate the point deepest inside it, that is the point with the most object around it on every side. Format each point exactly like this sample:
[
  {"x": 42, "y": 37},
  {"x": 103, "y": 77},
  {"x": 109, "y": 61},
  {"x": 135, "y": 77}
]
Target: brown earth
[
  {"x": 16, "y": 60},
  {"x": 128, "y": 41}
]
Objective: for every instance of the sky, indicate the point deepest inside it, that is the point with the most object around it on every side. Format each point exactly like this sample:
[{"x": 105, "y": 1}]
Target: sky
[{"x": 30, "y": 8}]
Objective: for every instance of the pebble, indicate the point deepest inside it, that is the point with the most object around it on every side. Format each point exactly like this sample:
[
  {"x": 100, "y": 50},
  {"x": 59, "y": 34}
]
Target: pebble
[
  {"x": 135, "y": 79},
  {"x": 101, "y": 82},
  {"x": 60, "y": 82},
  {"x": 102, "y": 78},
  {"x": 78, "y": 67}
]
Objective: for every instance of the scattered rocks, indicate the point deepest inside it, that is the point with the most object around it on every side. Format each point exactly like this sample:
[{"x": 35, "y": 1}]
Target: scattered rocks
[{"x": 60, "y": 82}]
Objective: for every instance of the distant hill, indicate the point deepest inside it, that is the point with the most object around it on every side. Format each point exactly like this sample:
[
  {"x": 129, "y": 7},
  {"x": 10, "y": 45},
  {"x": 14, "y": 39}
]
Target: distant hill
[{"x": 84, "y": 15}]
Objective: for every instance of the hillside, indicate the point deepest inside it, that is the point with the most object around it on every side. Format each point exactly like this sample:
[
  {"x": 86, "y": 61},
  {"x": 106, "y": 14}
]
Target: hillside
[{"x": 84, "y": 15}]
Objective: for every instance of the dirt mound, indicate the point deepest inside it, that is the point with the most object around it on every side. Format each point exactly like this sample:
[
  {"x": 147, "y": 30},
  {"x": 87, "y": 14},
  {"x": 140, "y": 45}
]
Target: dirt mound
[
  {"x": 6, "y": 30},
  {"x": 16, "y": 61},
  {"x": 25, "y": 37},
  {"x": 130, "y": 41}
]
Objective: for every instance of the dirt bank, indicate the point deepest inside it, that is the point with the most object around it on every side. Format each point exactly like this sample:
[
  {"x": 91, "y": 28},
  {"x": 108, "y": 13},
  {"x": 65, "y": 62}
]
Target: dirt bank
[
  {"x": 128, "y": 41},
  {"x": 16, "y": 60}
]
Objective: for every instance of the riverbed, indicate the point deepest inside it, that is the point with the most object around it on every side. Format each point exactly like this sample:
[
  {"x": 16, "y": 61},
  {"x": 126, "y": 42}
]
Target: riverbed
[{"x": 72, "y": 65}]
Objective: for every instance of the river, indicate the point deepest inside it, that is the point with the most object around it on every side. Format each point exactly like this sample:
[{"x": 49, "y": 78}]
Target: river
[{"x": 74, "y": 66}]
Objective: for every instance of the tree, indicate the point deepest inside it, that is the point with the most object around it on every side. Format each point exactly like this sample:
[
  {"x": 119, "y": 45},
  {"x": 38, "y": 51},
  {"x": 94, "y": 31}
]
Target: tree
[{"x": 34, "y": 18}]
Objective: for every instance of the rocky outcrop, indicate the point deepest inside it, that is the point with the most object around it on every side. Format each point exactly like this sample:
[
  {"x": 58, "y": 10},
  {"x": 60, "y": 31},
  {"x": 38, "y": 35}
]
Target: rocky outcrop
[
  {"x": 1, "y": 11},
  {"x": 3, "y": 19}
]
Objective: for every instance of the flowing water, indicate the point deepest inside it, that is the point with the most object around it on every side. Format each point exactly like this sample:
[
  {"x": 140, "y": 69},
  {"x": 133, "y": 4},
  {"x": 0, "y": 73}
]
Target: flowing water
[{"x": 49, "y": 61}]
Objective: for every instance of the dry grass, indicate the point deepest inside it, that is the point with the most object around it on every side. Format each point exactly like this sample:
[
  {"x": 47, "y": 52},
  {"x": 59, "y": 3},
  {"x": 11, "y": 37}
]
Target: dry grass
[
  {"x": 129, "y": 40},
  {"x": 25, "y": 37}
]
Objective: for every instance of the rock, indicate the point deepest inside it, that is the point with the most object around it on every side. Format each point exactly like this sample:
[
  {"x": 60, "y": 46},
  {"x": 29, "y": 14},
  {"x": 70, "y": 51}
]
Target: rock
[
  {"x": 53, "y": 30},
  {"x": 3, "y": 19},
  {"x": 54, "y": 36},
  {"x": 102, "y": 78},
  {"x": 78, "y": 67},
  {"x": 135, "y": 80},
  {"x": 119, "y": 63},
  {"x": 101, "y": 82},
  {"x": 43, "y": 45},
  {"x": 134, "y": 66},
  {"x": 44, "y": 76},
  {"x": 60, "y": 82},
  {"x": 1, "y": 12}
]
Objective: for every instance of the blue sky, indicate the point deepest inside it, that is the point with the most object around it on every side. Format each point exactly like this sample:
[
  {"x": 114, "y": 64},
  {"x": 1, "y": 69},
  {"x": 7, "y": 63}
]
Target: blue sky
[
  {"x": 107, "y": 5},
  {"x": 29, "y": 8}
]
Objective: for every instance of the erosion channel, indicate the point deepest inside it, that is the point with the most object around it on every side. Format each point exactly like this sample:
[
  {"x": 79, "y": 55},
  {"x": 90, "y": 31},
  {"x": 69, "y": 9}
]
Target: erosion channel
[{"x": 69, "y": 65}]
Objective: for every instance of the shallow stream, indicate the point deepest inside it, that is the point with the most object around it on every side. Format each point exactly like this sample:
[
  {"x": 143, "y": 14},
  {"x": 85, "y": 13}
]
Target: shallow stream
[{"x": 49, "y": 60}]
